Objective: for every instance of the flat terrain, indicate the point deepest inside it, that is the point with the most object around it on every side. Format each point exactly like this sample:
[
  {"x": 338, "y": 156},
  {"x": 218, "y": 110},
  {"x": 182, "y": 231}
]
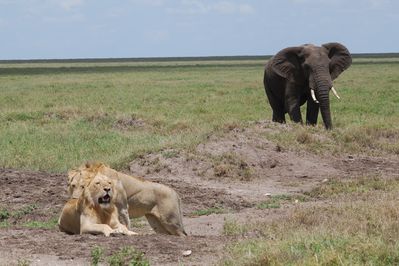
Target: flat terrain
[{"x": 253, "y": 192}]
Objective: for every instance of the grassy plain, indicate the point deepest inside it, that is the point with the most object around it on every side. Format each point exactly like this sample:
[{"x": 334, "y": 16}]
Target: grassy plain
[{"x": 54, "y": 116}]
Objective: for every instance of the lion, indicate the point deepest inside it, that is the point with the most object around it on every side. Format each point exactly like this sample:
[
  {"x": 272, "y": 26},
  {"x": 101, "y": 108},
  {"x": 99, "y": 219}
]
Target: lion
[
  {"x": 94, "y": 211},
  {"x": 159, "y": 203}
]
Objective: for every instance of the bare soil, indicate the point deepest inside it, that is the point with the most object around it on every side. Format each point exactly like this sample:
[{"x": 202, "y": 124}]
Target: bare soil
[{"x": 233, "y": 173}]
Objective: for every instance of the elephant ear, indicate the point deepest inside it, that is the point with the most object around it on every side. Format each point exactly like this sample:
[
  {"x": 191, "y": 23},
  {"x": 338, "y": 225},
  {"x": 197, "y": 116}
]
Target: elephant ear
[
  {"x": 286, "y": 62},
  {"x": 340, "y": 58}
]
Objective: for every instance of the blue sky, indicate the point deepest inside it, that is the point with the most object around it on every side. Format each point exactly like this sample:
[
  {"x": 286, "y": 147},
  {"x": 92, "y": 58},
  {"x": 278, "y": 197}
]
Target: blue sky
[{"x": 36, "y": 29}]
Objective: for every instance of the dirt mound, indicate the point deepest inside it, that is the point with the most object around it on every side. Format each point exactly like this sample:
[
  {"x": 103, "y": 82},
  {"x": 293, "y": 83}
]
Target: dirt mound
[
  {"x": 231, "y": 173},
  {"x": 242, "y": 162}
]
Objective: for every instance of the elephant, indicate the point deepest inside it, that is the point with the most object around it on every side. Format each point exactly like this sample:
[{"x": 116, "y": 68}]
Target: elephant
[{"x": 300, "y": 74}]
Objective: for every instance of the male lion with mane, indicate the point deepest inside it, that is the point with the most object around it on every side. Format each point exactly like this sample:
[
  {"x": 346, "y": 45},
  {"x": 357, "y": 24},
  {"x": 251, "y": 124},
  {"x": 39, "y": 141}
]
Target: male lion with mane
[
  {"x": 136, "y": 197},
  {"x": 94, "y": 212}
]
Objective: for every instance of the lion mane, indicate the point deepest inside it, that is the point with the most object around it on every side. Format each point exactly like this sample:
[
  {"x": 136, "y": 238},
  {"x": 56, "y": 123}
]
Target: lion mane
[
  {"x": 94, "y": 211},
  {"x": 135, "y": 197}
]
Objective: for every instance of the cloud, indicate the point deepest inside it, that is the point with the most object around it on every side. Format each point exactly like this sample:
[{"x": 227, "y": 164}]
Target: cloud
[
  {"x": 157, "y": 36},
  {"x": 379, "y": 3},
  {"x": 154, "y": 3},
  {"x": 219, "y": 7},
  {"x": 70, "y": 4}
]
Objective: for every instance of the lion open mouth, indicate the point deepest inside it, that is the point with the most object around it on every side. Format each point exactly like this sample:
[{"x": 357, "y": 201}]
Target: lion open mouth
[{"x": 104, "y": 200}]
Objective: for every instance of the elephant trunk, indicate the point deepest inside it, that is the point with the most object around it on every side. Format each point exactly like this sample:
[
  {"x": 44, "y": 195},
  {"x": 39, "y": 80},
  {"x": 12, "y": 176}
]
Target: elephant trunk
[
  {"x": 323, "y": 84},
  {"x": 324, "y": 100}
]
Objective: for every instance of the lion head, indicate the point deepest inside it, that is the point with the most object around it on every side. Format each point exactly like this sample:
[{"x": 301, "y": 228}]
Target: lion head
[
  {"x": 80, "y": 177},
  {"x": 100, "y": 191}
]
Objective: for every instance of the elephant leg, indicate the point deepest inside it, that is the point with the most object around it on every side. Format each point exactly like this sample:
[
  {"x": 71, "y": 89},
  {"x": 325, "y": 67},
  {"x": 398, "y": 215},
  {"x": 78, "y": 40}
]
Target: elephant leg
[
  {"x": 277, "y": 107},
  {"x": 312, "y": 112},
  {"x": 293, "y": 108}
]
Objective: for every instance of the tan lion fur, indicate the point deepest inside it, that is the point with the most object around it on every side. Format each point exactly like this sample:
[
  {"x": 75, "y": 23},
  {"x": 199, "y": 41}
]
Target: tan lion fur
[
  {"x": 160, "y": 204},
  {"x": 89, "y": 213}
]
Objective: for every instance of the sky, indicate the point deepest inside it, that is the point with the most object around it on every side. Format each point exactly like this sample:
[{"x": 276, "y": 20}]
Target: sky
[{"x": 58, "y": 29}]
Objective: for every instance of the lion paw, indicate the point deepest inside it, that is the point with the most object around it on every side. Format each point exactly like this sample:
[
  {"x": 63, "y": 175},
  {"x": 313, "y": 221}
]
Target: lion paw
[{"x": 131, "y": 233}]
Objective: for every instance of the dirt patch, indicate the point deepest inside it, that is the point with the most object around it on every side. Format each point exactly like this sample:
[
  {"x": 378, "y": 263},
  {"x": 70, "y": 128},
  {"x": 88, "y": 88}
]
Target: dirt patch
[
  {"x": 129, "y": 123},
  {"x": 46, "y": 193},
  {"x": 241, "y": 162},
  {"x": 232, "y": 173}
]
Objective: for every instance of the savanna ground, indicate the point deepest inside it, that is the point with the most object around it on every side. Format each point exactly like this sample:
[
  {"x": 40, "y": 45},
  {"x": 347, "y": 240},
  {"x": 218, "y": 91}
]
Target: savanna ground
[{"x": 253, "y": 192}]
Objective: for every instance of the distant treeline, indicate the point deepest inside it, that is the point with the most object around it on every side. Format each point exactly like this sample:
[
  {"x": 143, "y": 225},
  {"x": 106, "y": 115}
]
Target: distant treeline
[{"x": 182, "y": 59}]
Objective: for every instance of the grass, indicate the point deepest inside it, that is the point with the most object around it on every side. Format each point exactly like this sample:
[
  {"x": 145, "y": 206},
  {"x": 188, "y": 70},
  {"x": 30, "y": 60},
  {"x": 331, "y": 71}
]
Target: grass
[
  {"x": 124, "y": 256},
  {"x": 96, "y": 255},
  {"x": 54, "y": 116},
  {"x": 21, "y": 217},
  {"x": 212, "y": 210},
  {"x": 5, "y": 214},
  {"x": 231, "y": 165},
  {"x": 56, "y": 120},
  {"x": 275, "y": 201},
  {"x": 232, "y": 228},
  {"x": 128, "y": 256},
  {"x": 23, "y": 262},
  {"x": 366, "y": 119},
  {"x": 357, "y": 225},
  {"x": 50, "y": 224}
]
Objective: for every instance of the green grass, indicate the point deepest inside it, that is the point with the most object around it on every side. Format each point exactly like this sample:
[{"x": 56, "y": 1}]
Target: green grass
[
  {"x": 19, "y": 217},
  {"x": 54, "y": 116},
  {"x": 275, "y": 201},
  {"x": 128, "y": 256},
  {"x": 56, "y": 120},
  {"x": 50, "y": 224},
  {"x": 124, "y": 256},
  {"x": 96, "y": 255},
  {"x": 6, "y": 214},
  {"x": 363, "y": 185},
  {"x": 212, "y": 210}
]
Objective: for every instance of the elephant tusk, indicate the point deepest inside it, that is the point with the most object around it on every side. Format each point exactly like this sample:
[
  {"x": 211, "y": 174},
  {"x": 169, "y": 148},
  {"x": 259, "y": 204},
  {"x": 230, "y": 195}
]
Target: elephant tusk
[
  {"x": 335, "y": 93},
  {"x": 314, "y": 96}
]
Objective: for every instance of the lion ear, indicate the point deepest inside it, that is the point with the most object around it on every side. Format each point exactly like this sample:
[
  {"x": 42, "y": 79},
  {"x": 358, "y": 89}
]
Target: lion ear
[{"x": 71, "y": 174}]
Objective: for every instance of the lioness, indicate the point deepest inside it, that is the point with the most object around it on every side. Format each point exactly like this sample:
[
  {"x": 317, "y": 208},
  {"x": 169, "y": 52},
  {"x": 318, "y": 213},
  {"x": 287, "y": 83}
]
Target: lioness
[
  {"x": 94, "y": 211},
  {"x": 160, "y": 204}
]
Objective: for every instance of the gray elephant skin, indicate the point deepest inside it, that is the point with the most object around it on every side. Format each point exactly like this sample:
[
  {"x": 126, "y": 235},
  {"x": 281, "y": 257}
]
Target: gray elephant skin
[{"x": 296, "y": 75}]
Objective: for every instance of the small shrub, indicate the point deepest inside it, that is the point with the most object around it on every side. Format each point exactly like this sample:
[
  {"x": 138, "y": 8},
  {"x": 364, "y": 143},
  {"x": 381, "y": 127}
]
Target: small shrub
[
  {"x": 4, "y": 214},
  {"x": 23, "y": 262},
  {"x": 232, "y": 228},
  {"x": 24, "y": 211},
  {"x": 96, "y": 255},
  {"x": 128, "y": 256},
  {"x": 304, "y": 137}
]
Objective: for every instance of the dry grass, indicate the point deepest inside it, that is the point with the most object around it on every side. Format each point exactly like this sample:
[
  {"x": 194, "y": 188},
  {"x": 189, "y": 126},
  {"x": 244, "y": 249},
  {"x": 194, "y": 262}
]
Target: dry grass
[{"x": 359, "y": 228}]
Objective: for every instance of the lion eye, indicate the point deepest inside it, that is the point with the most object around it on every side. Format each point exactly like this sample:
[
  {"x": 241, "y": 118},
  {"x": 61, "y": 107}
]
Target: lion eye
[
  {"x": 97, "y": 183},
  {"x": 109, "y": 183}
]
